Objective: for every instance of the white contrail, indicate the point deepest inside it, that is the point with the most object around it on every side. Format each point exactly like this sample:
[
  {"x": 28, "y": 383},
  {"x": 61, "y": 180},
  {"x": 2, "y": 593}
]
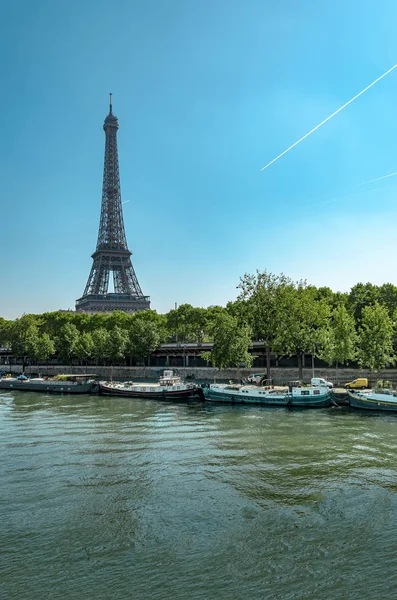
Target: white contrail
[
  {"x": 377, "y": 179},
  {"x": 347, "y": 197},
  {"x": 125, "y": 202},
  {"x": 330, "y": 117}
]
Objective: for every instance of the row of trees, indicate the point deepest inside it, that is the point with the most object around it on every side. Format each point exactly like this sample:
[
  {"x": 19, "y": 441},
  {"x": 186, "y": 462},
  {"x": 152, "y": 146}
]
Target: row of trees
[
  {"x": 290, "y": 317},
  {"x": 37, "y": 338},
  {"x": 294, "y": 318}
]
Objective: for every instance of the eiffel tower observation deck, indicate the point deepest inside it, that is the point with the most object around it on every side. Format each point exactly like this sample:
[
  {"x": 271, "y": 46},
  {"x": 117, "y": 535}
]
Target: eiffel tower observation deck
[{"x": 112, "y": 254}]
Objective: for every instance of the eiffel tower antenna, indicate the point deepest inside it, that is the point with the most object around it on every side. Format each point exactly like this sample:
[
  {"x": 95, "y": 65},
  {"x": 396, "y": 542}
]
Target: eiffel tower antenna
[{"x": 112, "y": 253}]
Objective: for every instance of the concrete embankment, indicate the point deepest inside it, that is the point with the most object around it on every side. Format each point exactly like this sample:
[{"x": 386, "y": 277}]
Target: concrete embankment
[{"x": 280, "y": 375}]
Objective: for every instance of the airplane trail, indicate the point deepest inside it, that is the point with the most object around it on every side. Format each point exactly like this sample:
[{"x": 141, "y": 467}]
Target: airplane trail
[
  {"x": 346, "y": 197},
  {"x": 330, "y": 117},
  {"x": 377, "y": 179}
]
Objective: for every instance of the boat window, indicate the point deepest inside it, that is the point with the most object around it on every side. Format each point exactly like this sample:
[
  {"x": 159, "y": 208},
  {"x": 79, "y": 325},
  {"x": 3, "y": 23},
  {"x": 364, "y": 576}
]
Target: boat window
[
  {"x": 316, "y": 391},
  {"x": 305, "y": 393}
]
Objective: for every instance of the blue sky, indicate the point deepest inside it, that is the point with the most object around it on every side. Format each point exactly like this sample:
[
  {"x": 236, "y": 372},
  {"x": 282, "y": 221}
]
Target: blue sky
[{"x": 206, "y": 94}]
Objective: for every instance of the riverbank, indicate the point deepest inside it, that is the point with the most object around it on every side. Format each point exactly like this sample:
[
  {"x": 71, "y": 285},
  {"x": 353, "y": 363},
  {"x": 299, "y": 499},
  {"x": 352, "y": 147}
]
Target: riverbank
[{"x": 280, "y": 375}]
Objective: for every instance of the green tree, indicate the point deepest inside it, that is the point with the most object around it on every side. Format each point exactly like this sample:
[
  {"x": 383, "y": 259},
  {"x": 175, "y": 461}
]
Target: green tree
[
  {"x": 240, "y": 310},
  {"x": 388, "y": 297},
  {"x": 54, "y": 321},
  {"x": 43, "y": 347},
  {"x": 304, "y": 323},
  {"x": 99, "y": 321},
  {"x": 84, "y": 347},
  {"x": 360, "y": 296},
  {"x": 264, "y": 296},
  {"x": 117, "y": 343},
  {"x": 151, "y": 316},
  {"x": 231, "y": 344},
  {"x": 144, "y": 338},
  {"x": 340, "y": 345},
  {"x": 5, "y": 332},
  {"x": 66, "y": 342},
  {"x": 101, "y": 341},
  {"x": 82, "y": 322},
  {"x": 187, "y": 323},
  {"x": 333, "y": 299},
  {"x": 119, "y": 319},
  {"x": 375, "y": 338},
  {"x": 23, "y": 336}
]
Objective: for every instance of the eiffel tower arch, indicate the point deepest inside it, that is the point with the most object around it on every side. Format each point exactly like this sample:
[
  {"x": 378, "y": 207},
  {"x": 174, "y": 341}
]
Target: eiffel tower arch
[{"x": 112, "y": 254}]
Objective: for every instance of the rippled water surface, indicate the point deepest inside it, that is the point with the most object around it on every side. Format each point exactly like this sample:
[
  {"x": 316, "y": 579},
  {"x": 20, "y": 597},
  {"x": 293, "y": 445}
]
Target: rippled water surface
[{"x": 116, "y": 499}]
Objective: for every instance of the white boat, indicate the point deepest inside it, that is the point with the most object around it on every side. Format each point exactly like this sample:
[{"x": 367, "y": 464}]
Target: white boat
[
  {"x": 300, "y": 396},
  {"x": 169, "y": 387}
]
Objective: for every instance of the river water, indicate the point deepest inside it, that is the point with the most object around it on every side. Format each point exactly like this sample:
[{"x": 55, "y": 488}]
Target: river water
[{"x": 117, "y": 499}]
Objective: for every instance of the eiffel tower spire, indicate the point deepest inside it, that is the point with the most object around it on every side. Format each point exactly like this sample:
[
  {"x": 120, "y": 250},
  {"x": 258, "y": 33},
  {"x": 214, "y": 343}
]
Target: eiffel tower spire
[{"x": 112, "y": 253}]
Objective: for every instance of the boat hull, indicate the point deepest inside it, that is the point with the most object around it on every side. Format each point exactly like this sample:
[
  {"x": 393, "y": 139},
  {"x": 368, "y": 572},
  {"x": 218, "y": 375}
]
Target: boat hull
[
  {"x": 168, "y": 395},
  {"x": 286, "y": 400},
  {"x": 49, "y": 387},
  {"x": 372, "y": 402}
]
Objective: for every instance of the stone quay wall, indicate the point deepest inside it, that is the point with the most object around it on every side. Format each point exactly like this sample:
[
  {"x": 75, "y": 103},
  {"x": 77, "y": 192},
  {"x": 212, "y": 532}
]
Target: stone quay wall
[{"x": 280, "y": 375}]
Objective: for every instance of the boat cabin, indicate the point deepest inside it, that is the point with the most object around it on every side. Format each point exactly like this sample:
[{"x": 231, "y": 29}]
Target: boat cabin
[{"x": 169, "y": 379}]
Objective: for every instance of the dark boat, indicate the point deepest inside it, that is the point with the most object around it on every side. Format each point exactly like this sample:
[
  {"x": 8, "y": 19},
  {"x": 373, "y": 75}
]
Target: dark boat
[
  {"x": 62, "y": 384},
  {"x": 169, "y": 387}
]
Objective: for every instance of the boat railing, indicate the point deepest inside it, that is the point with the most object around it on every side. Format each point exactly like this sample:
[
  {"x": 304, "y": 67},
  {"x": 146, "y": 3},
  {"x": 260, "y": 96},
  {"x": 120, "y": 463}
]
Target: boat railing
[{"x": 385, "y": 391}]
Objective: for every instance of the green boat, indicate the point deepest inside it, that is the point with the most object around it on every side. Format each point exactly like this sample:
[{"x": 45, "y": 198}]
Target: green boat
[
  {"x": 304, "y": 396},
  {"x": 373, "y": 400}
]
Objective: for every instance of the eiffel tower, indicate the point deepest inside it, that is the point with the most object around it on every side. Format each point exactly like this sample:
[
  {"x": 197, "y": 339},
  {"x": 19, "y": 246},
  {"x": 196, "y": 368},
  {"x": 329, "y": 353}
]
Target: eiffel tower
[{"x": 112, "y": 254}]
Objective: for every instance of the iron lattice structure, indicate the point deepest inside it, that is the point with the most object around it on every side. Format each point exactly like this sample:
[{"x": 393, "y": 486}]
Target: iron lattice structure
[{"x": 112, "y": 254}]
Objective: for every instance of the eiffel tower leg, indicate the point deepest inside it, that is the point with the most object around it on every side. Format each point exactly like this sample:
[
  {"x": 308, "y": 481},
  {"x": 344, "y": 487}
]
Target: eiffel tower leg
[{"x": 98, "y": 280}]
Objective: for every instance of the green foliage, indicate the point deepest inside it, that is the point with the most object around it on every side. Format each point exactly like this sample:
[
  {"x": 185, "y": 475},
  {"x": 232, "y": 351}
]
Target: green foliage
[
  {"x": 388, "y": 297},
  {"x": 238, "y": 309},
  {"x": 262, "y": 296},
  {"x": 84, "y": 347},
  {"x": 384, "y": 384},
  {"x": 360, "y": 296},
  {"x": 144, "y": 338},
  {"x": 152, "y": 317},
  {"x": 43, "y": 348},
  {"x": 22, "y": 335},
  {"x": 340, "y": 341},
  {"x": 66, "y": 341},
  {"x": 118, "y": 342},
  {"x": 231, "y": 344},
  {"x": 187, "y": 324},
  {"x": 118, "y": 319},
  {"x": 304, "y": 321},
  {"x": 54, "y": 321},
  {"x": 375, "y": 338},
  {"x": 289, "y": 317},
  {"x": 303, "y": 324},
  {"x": 333, "y": 299},
  {"x": 101, "y": 341},
  {"x": 5, "y": 332}
]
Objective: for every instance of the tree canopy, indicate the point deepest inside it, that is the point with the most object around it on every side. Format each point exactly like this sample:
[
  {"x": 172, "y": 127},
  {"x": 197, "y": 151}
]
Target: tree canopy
[{"x": 289, "y": 317}]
